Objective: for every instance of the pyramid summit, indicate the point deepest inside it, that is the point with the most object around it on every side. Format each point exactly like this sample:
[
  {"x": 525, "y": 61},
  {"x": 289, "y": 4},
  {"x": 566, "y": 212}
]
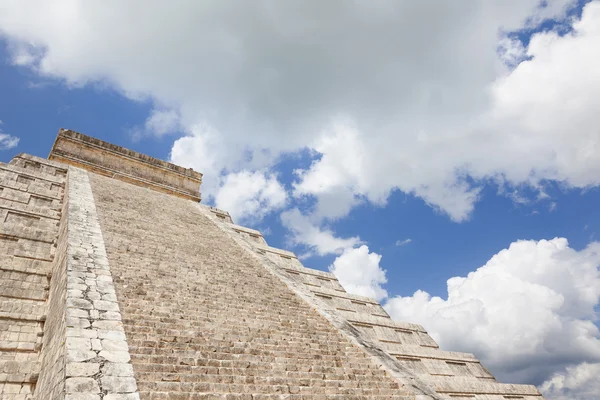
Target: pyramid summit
[{"x": 118, "y": 284}]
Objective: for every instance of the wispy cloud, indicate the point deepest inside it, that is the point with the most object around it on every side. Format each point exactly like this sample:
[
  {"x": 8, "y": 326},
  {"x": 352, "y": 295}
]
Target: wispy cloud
[
  {"x": 403, "y": 242},
  {"x": 518, "y": 198},
  {"x": 7, "y": 141},
  {"x": 266, "y": 231}
]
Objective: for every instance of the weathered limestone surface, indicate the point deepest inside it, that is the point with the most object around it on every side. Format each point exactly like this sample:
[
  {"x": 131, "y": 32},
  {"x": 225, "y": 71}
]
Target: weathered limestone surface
[
  {"x": 31, "y": 193},
  {"x": 204, "y": 319},
  {"x": 59, "y": 318},
  {"x": 96, "y": 354},
  {"x": 52, "y": 376}
]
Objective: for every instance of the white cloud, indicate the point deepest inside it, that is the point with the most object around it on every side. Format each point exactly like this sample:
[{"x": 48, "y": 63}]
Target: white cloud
[
  {"x": 203, "y": 151},
  {"x": 320, "y": 241},
  {"x": 524, "y": 134},
  {"x": 162, "y": 122},
  {"x": 403, "y": 242},
  {"x": 518, "y": 198},
  {"x": 525, "y": 138},
  {"x": 358, "y": 271},
  {"x": 338, "y": 176},
  {"x": 7, "y": 141},
  {"x": 430, "y": 102},
  {"x": 539, "y": 105},
  {"x": 527, "y": 313},
  {"x": 249, "y": 196},
  {"x": 580, "y": 382}
]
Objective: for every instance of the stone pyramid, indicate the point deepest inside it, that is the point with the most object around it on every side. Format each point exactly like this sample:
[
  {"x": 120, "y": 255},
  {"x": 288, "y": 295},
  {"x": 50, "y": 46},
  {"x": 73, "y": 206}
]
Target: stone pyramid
[{"x": 117, "y": 284}]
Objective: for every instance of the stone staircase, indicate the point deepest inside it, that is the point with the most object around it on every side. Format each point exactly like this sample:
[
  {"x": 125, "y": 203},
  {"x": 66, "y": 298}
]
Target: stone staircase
[{"x": 204, "y": 319}]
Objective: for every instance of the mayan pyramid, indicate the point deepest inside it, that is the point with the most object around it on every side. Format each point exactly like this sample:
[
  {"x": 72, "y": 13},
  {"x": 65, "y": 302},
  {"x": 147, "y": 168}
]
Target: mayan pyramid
[{"x": 118, "y": 284}]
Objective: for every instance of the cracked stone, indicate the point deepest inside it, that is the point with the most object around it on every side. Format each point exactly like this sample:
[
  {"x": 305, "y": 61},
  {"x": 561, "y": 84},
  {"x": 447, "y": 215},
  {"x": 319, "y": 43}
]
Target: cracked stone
[
  {"x": 79, "y": 303},
  {"x": 103, "y": 305},
  {"x": 80, "y": 355},
  {"x": 82, "y": 369},
  {"x": 115, "y": 356},
  {"x": 118, "y": 384},
  {"x": 117, "y": 369},
  {"x": 114, "y": 345},
  {"x": 81, "y": 385}
]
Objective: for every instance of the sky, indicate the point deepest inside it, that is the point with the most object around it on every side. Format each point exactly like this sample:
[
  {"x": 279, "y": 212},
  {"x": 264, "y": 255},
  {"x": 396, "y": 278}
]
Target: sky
[{"x": 441, "y": 157}]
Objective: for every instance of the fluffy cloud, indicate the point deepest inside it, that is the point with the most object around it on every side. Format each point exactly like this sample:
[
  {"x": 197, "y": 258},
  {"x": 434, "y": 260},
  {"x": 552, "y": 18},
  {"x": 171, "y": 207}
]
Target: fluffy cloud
[
  {"x": 359, "y": 273},
  {"x": 416, "y": 92},
  {"x": 576, "y": 383},
  {"x": 523, "y": 131},
  {"x": 320, "y": 241},
  {"x": 7, "y": 141},
  {"x": 526, "y": 313},
  {"x": 249, "y": 196}
]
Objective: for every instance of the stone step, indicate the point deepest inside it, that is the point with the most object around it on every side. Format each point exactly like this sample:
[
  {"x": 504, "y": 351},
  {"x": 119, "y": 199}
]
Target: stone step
[
  {"x": 19, "y": 371},
  {"x": 171, "y": 358},
  {"x": 256, "y": 377},
  {"x": 155, "y": 395},
  {"x": 408, "y": 351},
  {"x": 455, "y": 385},
  {"x": 31, "y": 173},
  {"x": 34, "y": 232}
]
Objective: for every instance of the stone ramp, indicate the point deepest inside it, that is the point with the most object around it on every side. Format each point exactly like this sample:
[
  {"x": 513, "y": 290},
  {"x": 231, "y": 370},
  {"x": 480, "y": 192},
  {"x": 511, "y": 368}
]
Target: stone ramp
[
  {"x": 204, "y": 319},
  {"x": 31, "y": 197}
]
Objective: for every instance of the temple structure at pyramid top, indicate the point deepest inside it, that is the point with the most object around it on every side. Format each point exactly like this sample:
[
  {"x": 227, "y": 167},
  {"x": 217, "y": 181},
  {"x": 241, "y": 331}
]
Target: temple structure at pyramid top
[
  {"x": 115, "y": 286},
  {"x": 110, "y": 160}
]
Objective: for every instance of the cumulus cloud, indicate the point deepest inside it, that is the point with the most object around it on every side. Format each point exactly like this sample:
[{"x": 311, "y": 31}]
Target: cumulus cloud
[
  {"x": 576, "y": 383},
  {"x": 527, "y": 313},
  {"x": 7, "y": 141},
  {"x": 358, "y": 271},
  {"x": 523, "y": 135},
  {"x": 249, "y": 196},
  {"x": 337, "y": 178},
  {"x": 320, "y": 241},
  {"x": 425, "y": 102}
]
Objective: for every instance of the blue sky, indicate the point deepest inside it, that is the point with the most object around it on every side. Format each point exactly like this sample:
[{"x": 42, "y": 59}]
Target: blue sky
[{"x": 458, "y": 136}]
